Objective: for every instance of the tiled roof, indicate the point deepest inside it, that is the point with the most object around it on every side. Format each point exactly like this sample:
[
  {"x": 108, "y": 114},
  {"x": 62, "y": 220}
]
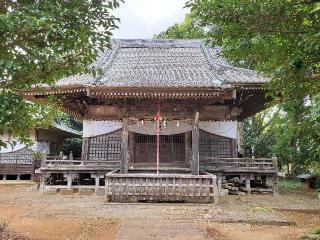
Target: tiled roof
[
  {"x": 66, "y": 129},
  {"x": 164, "y": 63}
]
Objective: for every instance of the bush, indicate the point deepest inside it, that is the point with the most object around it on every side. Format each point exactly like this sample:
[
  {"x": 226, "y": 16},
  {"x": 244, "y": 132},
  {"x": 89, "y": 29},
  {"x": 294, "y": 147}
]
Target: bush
[{"x": 289, "y": 185}]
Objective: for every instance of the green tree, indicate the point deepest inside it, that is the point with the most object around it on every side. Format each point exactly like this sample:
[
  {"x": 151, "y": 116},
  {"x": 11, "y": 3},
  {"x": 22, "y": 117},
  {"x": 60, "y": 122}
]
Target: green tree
[
  {"x": 188, "y": 29},
  {"x": 259, "y": 133},
  {"x": 41, "y": 42},
  {"x": 277, "y": 37}
]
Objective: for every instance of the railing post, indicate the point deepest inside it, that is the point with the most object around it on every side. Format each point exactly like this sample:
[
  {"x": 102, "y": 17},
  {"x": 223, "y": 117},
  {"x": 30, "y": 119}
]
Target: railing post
[
  {"x": 215, "y": 190},
  {"x": 42, "y": 181},
  {"x": 248, "y": 185},
  {"x": 275, "y": 176},
  {"x": 69, "y": 180},
  {"x": 124, "y": 147},
  {"x": 97, "y": 182},
  {"x": 43, "y": 160}
]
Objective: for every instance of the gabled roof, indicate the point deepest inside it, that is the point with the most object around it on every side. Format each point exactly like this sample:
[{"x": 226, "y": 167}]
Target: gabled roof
[{"x": 164, "y": 63}]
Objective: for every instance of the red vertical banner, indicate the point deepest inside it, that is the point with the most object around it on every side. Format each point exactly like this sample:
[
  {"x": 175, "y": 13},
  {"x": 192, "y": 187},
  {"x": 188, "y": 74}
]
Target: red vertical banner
[{"x": 158, "y": 118}]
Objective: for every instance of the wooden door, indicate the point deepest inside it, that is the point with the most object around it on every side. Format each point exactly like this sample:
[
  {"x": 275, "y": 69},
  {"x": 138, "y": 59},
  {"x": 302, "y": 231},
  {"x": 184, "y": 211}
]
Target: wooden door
[{"x": 172, "y": 148}]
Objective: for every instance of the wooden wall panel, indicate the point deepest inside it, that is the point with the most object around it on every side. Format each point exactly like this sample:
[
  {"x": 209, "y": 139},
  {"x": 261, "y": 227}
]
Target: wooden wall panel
[{"x": 168, "y": 111}]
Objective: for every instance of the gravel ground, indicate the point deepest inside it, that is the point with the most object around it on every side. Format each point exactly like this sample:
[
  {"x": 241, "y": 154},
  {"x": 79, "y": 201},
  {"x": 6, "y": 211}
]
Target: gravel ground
[{"x": 157, "y": 221}]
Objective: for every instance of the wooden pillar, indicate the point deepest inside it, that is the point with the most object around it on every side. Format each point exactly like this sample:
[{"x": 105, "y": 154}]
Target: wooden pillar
[
  {"x": 18, "y": 177},
  {"x": 248, "y": 186},
  {"x": 124, "y": 147},
  {"x": 85, "y": 149},
  {"x": 187, "y": 141},
  {"x": 195, "y": 146},
  {"x": 69, "y": 180},
  {"x": 131, "y": 147},
  {"x": 215, "y": 190},
  {"x": 97, "y": 183},
  {"x": 42, "y": 181},
  {"x": 275, "y": 176},
  {"x": 219, "y": 176},
  {"x": 4, "y": 177}
]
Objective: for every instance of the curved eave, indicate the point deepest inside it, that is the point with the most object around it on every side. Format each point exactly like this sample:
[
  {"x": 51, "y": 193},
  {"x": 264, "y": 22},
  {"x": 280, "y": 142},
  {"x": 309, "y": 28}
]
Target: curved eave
[{"x": 105, "y": 92}]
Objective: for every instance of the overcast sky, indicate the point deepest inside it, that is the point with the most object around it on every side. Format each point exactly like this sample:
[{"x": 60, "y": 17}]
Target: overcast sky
[{"x": 144, "y": 18}]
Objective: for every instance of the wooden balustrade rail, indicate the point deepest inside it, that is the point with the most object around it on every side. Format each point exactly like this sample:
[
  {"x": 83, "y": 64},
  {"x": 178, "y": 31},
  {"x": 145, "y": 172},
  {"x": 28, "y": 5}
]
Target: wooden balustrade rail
[{"x": 239, "y": 163}]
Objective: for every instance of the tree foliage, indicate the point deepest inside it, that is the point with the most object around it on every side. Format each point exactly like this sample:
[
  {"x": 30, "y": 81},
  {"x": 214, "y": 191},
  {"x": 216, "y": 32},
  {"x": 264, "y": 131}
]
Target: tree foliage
[
  {"x": 280, "y": 38},
  {"x": 43, "y": 41},
  {"x": 188, "y": 29},
  {"x": 290, "y": 129}
]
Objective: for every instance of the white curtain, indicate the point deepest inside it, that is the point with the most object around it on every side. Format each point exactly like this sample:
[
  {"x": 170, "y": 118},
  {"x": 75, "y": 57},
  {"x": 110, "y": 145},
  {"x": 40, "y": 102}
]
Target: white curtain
[
  {"x": 96, "y": 128},
  {"x": 43, "y": 147},
  {"x": 226, "y": 129}
]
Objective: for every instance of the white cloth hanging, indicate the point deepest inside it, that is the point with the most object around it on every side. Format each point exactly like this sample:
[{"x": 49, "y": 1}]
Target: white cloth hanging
[
  {"x": 226, "y": 129},
  {"x": 43, "y": 147},
  {"x": 96, "y": 128}
]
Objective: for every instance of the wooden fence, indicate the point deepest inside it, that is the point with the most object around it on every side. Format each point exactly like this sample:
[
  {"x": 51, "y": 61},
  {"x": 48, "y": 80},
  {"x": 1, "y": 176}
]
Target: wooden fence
[
  {"x": 239, "y": 164},
  {"x": 161, "y": 187}
]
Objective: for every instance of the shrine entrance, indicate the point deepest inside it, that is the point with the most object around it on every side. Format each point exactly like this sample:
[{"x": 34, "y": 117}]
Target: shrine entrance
[{"x": 172, "y": 149}]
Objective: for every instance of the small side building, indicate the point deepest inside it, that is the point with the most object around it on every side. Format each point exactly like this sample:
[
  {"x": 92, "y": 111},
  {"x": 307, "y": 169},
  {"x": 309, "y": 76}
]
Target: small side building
[{"x": 19, "y": 162}]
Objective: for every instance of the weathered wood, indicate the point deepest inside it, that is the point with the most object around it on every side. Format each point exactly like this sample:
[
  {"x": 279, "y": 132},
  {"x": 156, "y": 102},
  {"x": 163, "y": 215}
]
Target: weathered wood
[
  {"x": 195, "y": 146},
  {"x": 161, "y": 187},
  {"x": 97, "y": 182},
  {"x": 187, "y": 144},
  {"x": 169, "y": 111},
  {"x": 69, "y": 180},
  {"x": 275, "y": 176},
  {"x": 124, "y": 147},
  {"x": 248, "y": 185},
  {"x": 42, "y": 181}
]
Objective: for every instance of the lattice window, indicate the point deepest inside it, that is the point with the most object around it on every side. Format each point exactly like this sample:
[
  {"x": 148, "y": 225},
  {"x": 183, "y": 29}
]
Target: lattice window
[
  {"x": 105, "y": 147},
  {"x": 172, "y": 148},
  {"x": 141, "y": 138},
  {"x": 22, "y": 156},
  {"x": 211, "y": 145}
]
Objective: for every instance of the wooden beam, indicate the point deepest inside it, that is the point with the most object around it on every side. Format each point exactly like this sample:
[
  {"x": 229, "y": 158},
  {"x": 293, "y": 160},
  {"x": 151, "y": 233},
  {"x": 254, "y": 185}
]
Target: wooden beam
[
  {"x": 124, "y": 147},
  {"x": 175, "y": 110},
  {"x": 195, "y": 146}
]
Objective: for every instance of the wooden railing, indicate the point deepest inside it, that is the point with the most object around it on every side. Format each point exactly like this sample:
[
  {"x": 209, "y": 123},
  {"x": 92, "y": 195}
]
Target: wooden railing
[
  {"x": 51, "y": 162},
  {"x": 161, "y": 187},
  {"x": 239, "y": 164}
]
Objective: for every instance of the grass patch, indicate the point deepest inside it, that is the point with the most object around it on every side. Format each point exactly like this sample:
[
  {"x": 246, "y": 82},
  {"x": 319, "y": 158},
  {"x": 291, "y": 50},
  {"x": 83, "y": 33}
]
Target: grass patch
[
  {"x": 315, "y": 235},
  {"x": 289, "y": 185}
]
